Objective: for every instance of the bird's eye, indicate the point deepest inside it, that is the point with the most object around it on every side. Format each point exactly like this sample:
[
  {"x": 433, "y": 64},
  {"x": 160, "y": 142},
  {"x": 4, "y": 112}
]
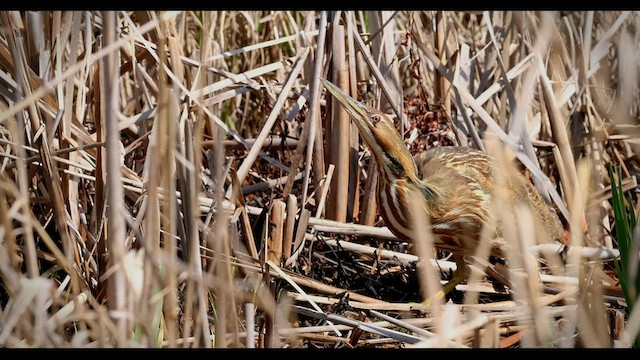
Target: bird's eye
[{"x": 375, "y": 119}]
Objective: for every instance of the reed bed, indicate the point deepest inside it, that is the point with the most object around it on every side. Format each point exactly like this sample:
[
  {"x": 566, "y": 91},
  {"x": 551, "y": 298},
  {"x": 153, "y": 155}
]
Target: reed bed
[{"x": 180, "y": 179}]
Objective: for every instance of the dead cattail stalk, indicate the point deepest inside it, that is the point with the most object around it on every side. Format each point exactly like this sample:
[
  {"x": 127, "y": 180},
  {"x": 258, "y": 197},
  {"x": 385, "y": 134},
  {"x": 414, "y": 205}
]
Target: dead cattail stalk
[
  {"x": 326, "y": 186},
  {"x": 17, "y": 129},
  {"x": 369, "y": 203},
  {"x": 115, "y": 209},
  {"x": 301, "y": 231},
  {"x": 287, "y": 241},
  {"x": 353, "y": 205},
  {"x": 441, "y": 84},
  {"x": 275, "y": 241},
  {"x": 340, "y": 133}
]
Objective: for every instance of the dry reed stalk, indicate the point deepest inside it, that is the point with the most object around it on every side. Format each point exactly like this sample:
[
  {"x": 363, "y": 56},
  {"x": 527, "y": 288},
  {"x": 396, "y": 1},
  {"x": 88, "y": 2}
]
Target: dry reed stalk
[
  {"x": 388, "y": 91},
  {"x": 383, "y": 324},
  {"x": 70, "y": 185},
  {"x": 224, "y": 299},
  {"x": 429, "y": 282},
  {"x": 9, "y": 252},
  {"x": 301, "y": 231},
  {"x": 441, "y": 87},
  {"x": 326, "y": 339},
  {"x": 359, "y": 324},
  {"x": 415, "y": 329},
  {"x": 369, "y": 202},
  {"x": 17, "y": 128},
  {"x": 276, "y": 240},
  {"x": 560, "y": 137},
  {"x": 236, "y": 78},
  {"x": 382, "y": 253},
  {"x": 308, "y": 136},
  {"x": 175, "y": 86},
  {"x": 513, "y": 73},
  {"x": 250, "y": 242},
  {"x": 298, "y": 289},
  {"x": 287, "y": 241},
  {"x": 187, "y": 183},
  {"x": 326, "y": 186},
  {"x": 306, "y": 282},
  {"x": 250, "y": 324},
  {"x": 339, "y": 132},
  {"x": 466, "y": 126},
  {"x": 44, "y": 88},
  {"x": 589, "y": 317},
  {"x": 159, "y": 169},
  {"x": 116, "y": 225},
  {"x": 317, "y": 155},
  {"x": 508, "y": 310},
  {"x": 353, "y": 205},
  {"x": 387, "y": 54}
]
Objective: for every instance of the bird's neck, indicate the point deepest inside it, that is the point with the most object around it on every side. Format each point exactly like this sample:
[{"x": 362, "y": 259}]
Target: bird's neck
[
  {"x": 396, "y": 186},
  {"x": 394, "y": 201},
  {"x": 407, "y": 178},
  {"x": 396, "y": 163}
]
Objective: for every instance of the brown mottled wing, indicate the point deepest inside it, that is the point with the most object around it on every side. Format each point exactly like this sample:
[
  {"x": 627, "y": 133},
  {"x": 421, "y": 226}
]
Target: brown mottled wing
[
  {"x": 464, "y": 177},
  {"x": 465, "y": 161},
  {"x": 460, "y": 172}
]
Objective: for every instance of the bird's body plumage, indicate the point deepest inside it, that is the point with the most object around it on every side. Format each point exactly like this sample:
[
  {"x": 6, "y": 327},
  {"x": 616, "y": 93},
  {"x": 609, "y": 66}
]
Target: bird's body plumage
[{"x": 458, "y": 186}]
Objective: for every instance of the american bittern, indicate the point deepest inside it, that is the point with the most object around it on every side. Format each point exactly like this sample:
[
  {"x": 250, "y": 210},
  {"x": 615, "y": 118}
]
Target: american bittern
[{"x": 456, "y": 183}]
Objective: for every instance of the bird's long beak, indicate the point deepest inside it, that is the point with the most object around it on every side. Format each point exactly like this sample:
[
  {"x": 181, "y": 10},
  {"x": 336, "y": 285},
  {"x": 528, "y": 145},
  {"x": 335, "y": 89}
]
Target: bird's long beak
[
  {"x": 356, "y": 110},
  {"x": 381, "y": 137}
]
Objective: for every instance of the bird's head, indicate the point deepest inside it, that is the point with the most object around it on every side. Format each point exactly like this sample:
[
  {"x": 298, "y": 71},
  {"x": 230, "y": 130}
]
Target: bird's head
[{"x": 379, "y": 133}]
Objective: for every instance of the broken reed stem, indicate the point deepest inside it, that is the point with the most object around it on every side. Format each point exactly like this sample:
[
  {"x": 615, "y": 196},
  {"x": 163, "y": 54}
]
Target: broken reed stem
[
  {"x": 292, "y": 210},
  {"x": 326, "y": 185},
  {"x": 301, "y": 232},
  {"x": 276, "y": 240},
  {"x": 369, "y": 202},
  {"x": 248, "y": 234}
]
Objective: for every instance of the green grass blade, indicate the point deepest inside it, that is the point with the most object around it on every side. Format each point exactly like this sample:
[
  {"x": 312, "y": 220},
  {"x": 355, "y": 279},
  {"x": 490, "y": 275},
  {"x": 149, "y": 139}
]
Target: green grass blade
[{"x": 627, "y": 267}]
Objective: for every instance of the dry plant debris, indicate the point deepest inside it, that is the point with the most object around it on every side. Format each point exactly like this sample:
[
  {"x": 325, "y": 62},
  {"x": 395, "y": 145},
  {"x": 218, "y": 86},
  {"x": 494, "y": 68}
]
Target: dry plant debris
[{"x": 180, "y": 179}]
